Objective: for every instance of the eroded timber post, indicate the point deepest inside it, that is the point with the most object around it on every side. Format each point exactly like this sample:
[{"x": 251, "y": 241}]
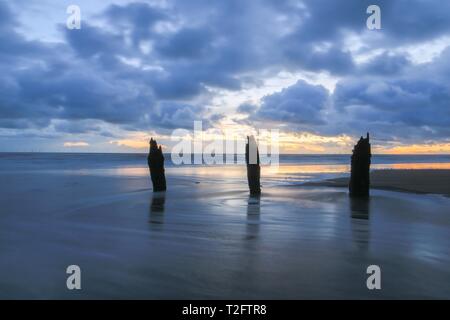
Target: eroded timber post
[
  {"x": 156, "y": 166},
  {"x": 253, "y": 168},
  {"x": 360, "y": 166}
]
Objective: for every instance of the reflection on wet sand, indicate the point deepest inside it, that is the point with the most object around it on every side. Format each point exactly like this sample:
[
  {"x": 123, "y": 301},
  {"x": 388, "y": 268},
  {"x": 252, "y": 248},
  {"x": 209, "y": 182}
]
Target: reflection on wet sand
[
  {"x": 253, "y": 212},
  {"x": 157, "y": 208},
  {"x": 360, "y": 214},
  {"x": 359, "y": 208}
]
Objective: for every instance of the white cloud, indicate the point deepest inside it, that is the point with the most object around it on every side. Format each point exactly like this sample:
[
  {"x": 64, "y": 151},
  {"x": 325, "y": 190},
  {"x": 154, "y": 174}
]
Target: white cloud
[{"x": 76, "y": 144}]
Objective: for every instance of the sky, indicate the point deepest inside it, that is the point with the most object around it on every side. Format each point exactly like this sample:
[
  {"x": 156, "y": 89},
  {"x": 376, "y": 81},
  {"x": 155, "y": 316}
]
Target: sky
[{"x": 310, "y": 69}]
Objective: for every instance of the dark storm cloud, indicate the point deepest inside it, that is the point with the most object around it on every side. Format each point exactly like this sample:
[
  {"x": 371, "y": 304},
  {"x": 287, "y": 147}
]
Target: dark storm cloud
[
  {"x": 247, "y": 108},
  {"x": 78, "y": 126},
  {"x": 101, "y": 73},
  {"x": 137, "y": 17},
  {"x": 7, "y": 19},
  {"x": 402, "y": 20},
  {"x": 385, "y": 64},
  {"x": 186, "y": 44},
  {"x": 43, "y": 82},
  {"x": 417, "y": 20},
  {"x": 90, "y": 41},
  {"x": 176, "y": 86},
  {"x": 405, "y": 107},
  {"x": 300, "y": 103},
  {"x": 393, "y": 99},
  {"x": 172, "y": 115},
  {"x": 332, "y": 59},
  {"x": 327, "y": 22},
  {"x": 42, "y": 93},
  {"x": 412, "y": 103}
]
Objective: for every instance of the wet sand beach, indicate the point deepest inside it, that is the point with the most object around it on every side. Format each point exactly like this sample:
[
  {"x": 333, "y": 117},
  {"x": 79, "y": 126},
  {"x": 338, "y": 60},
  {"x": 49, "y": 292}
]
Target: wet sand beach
[
  {"x": 205, "y": 238},
  {"x": 414, "y": 180}
]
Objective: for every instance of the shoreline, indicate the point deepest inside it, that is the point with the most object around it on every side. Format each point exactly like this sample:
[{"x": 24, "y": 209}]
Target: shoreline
[{"x": 419, "y": 181}]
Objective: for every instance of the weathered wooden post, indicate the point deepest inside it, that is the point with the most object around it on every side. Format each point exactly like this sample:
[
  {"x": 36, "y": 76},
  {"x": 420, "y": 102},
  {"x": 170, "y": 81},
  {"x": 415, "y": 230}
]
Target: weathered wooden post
[
  {"x": 253, "y": 168},
  {"x": 360, "y": 166},
  {"x": 156, "y": 166}
]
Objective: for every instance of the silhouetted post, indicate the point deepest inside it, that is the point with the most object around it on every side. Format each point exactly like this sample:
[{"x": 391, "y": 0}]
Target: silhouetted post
[
  {"x": 156, "y": 165},
  {"x": 253, "y": 168},
  {"x": 360, "y": 177}
]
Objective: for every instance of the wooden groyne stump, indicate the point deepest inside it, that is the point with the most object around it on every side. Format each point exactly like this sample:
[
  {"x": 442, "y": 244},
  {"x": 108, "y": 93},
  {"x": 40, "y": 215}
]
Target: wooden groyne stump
[
  {"x": 359, "y": 185},
  {"x": 253, "y": 168},
  {"x": 155, "y": 161}
]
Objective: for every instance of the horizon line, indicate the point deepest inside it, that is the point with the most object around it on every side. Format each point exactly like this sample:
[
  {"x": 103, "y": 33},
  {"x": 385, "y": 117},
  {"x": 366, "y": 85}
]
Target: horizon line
[{"x": 296, "y": 154}]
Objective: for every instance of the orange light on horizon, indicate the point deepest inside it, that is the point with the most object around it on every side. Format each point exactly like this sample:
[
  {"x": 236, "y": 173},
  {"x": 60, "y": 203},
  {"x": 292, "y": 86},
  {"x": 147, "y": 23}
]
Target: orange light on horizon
[
  {"x": 289, "y": 142},
  {"x": 434, "y": 148}
]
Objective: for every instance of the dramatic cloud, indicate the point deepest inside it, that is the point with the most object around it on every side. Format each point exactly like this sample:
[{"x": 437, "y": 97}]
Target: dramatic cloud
[
  {"x": 395, "y": 99},
  {"x": 136, "y": 66},
  {"x": 302, "y": 104},
  {"x": 247, "y": 108},
  {"x": 385, "y": 64}
]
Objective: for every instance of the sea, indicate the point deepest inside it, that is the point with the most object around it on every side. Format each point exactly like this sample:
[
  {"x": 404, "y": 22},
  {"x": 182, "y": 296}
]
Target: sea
[{"x": 290, "y": 168}]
